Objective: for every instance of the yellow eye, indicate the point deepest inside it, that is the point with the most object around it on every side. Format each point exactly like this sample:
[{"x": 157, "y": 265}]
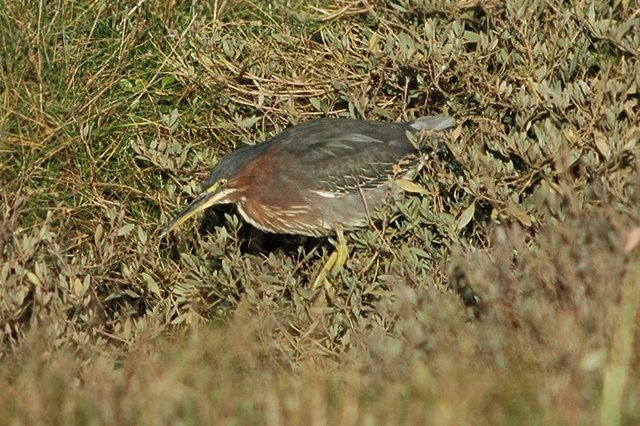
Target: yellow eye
[{"x": 220, "y": 183}]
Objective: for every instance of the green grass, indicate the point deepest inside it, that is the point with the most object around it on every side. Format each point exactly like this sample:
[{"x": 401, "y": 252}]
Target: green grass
[{"x": 505, "y": 294}]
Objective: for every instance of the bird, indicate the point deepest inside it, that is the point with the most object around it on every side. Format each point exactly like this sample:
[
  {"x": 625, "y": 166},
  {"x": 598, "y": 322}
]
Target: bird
[{"x": 319, "y": 178}]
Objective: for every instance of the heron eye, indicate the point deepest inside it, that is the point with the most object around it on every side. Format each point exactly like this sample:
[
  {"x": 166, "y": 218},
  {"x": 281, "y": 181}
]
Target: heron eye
[{"x": 222, "y": 183}]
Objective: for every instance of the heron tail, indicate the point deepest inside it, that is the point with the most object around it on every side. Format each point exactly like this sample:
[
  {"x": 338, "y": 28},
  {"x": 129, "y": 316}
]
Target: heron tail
[{"x": 432, "y": 122}]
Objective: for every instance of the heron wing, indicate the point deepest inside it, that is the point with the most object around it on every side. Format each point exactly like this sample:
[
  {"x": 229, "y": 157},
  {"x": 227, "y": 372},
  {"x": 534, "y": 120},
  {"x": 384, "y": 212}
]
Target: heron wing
[{"x": 347, "y": 162}]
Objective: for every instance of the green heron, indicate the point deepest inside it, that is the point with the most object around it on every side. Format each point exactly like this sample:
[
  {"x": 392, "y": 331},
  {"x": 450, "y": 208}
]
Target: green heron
[{"x": 317, "y": 178}]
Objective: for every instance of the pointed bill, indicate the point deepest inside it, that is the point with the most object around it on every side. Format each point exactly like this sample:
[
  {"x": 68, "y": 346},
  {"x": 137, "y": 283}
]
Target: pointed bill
[
  {"x": 209, "y": 197},
  {"x": 197, "y": 205}
]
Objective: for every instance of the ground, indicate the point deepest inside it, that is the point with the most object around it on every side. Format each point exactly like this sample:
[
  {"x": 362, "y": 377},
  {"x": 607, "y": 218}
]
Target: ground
[{"x": 502, "y": 288}]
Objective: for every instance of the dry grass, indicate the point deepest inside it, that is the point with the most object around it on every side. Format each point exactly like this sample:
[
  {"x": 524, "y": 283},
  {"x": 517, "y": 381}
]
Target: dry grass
[{"x": 506, "y": 294}]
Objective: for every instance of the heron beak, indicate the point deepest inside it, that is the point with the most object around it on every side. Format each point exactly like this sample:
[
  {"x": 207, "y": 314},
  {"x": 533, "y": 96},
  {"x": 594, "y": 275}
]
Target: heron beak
[{"x": 209, "y": 197}]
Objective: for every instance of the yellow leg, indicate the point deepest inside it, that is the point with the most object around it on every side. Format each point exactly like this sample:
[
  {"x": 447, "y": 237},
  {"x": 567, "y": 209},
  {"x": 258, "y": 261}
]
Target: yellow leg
[{"x": 335, "y": 262}]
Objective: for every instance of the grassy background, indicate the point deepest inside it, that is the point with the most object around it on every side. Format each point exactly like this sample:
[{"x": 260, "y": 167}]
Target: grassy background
[{"x": 506, "y": 293}]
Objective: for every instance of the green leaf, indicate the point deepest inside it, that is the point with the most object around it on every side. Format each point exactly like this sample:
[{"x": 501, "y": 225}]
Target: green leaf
[
  {"x": 315, "y": 102},
  {"x": 125, "y": 230},
  {"x": 167, "y": 81},
  {"x": 411, "y": 187},
  {"x": 151, "y": 284},
  {"x": 466, "y": 216},
  {"x": 247, "y": 122}
]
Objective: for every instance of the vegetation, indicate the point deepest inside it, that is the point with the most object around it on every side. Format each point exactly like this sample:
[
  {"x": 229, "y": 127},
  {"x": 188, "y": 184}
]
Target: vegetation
[{"x": 504, "y": 290}]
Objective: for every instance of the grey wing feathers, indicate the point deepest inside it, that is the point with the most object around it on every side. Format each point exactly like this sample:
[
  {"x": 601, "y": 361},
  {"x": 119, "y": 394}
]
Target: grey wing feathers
[
  {"x": 355, "y": 161},
  {"x": 348, "y": 155},
  {"x": 341, "y": 145},
  {"x": 353, "y": 179}
]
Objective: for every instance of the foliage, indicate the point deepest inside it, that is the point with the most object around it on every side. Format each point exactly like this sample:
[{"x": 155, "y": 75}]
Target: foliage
[{"x": 504, "y": 291}]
